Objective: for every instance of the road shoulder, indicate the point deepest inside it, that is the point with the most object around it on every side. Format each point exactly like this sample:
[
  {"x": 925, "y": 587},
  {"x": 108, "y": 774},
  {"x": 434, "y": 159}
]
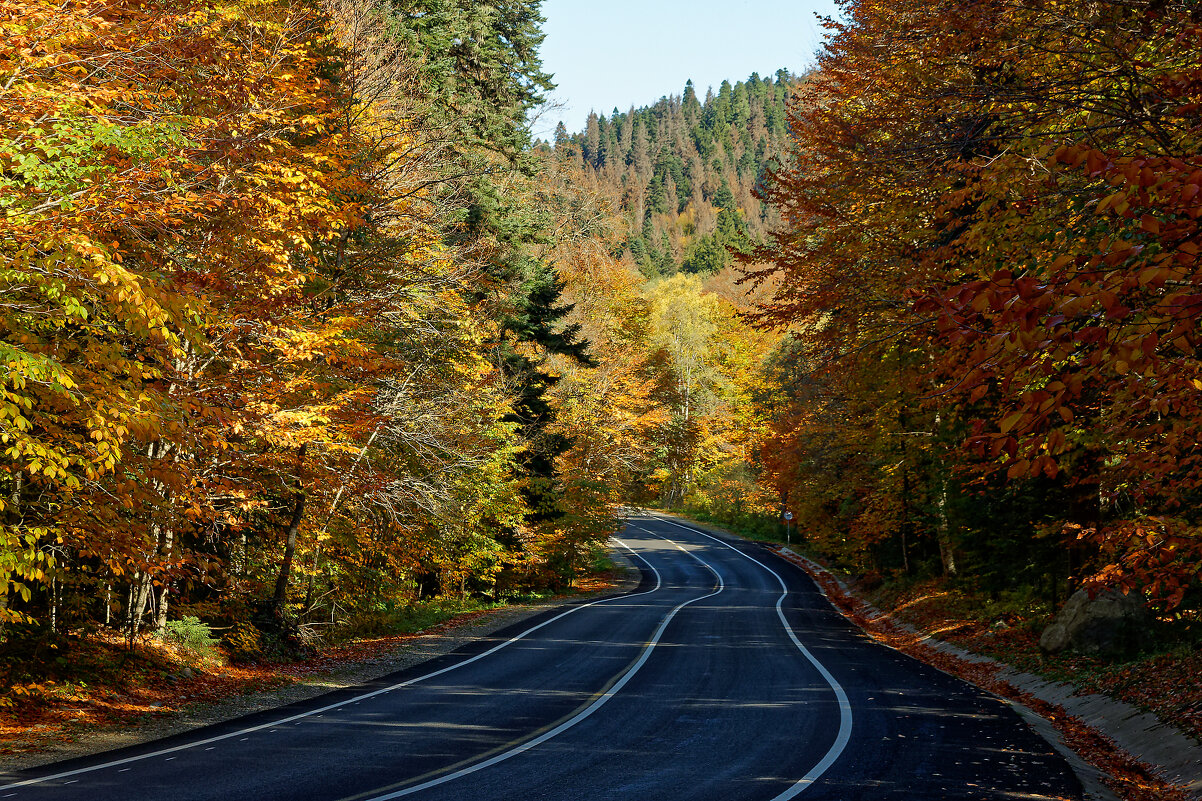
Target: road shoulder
[
  {"x": 1116, "y": 750},
  {"x": 406, "y": 655}
]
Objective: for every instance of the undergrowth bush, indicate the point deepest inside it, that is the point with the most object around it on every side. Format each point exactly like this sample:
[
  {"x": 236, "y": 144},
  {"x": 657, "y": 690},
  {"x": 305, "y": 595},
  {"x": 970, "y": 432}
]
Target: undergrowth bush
[
  {"x": 599, "y": 561},
  {"x": 243, "y": 643},
  {"x": 193, "y": 636},
  {"x": 753, "y": 525},
  {"x": 392, "y": 619}
]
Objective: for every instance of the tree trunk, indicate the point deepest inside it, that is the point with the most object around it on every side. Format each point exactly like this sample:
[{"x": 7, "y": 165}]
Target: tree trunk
[
  {"x": 14, "y": 519},
  {"x": 147, "y": 596},
  {"x": 166, "y": 546},
  {"x": 281, "y": 582},
  {"x": 130, "y": 631},
  {"x": 140, "y": 595},
  {"x": 905, "y": 523},
  {"x": 298, "y": 512},
  {"x": 309, "y": 585},
  {"x": 947, "y": 553},
  {"x": 143, "y": 595}
]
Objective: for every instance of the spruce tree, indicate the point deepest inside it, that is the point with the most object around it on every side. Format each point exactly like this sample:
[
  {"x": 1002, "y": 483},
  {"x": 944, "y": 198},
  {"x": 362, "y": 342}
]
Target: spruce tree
[
  {"x": 690, "y": 103},
  {"x": 592, "y": 140},
  {"x": 479, "y": 63}
]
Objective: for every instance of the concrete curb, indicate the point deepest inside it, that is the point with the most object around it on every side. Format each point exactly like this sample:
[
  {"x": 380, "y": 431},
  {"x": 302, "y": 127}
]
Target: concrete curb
[{"x": 1172, "y": 755}]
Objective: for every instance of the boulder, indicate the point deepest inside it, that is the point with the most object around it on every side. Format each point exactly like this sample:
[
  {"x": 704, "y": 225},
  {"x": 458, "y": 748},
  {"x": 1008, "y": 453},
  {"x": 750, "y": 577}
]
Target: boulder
[{"x": 1109, "y": 624}]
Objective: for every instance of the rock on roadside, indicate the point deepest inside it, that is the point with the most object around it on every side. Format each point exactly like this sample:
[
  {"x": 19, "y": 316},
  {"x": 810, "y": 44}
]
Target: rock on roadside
[{"x": 1110, "y": 623}]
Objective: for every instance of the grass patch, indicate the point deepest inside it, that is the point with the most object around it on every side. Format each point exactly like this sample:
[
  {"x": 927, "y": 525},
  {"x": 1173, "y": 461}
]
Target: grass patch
[
  {"x": 393, "y": 620},
  {"x": 757, "y": 528}
]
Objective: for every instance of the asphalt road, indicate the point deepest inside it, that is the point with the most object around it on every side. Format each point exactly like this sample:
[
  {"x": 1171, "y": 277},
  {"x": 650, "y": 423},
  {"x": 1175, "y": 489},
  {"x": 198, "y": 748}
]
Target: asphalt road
[{"x": 725, "y": 675}]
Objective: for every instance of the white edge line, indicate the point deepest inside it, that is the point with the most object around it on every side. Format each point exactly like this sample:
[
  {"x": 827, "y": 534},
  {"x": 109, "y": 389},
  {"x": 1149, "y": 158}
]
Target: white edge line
[
  {"x": 584, "y": 713},
  {"x": 355, "y": 699},
  {"x": 845, "y": 715}
]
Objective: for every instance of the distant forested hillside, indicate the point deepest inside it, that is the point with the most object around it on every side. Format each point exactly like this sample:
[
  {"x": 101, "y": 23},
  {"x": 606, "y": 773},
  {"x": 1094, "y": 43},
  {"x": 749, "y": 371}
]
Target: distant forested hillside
[{"x": 685, "y": 170}]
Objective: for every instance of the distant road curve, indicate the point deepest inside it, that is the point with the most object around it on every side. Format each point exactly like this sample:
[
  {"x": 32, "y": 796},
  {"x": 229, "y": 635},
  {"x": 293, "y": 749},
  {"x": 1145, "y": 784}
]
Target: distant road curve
[{"x": 725, "y": 675}]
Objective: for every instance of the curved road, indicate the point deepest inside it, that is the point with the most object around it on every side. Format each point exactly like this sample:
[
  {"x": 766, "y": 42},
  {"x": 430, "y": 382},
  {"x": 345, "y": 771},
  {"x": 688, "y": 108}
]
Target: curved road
[{"x": 725, "y": 675}]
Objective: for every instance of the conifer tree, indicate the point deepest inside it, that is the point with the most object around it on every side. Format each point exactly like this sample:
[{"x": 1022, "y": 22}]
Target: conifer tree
[{"x": 483, "y": 61}]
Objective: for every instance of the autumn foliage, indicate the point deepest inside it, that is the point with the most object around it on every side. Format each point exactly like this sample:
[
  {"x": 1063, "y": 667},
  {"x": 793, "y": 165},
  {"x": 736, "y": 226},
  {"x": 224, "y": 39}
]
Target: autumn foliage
[
  {"x": 991, "y": 268},
  {"x": 249, "y": 342}
]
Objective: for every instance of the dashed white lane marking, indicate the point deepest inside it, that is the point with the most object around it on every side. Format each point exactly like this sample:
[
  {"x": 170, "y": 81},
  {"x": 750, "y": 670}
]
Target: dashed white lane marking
[
  {"x": 845, "y": 716},
  {"x": 340, "y": 704},
  {"x": 584, "y": 713}
]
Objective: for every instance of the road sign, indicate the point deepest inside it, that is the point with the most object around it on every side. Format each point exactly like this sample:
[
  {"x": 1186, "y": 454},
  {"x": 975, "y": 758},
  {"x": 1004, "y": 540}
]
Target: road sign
[{"x": 788, "y": 515}]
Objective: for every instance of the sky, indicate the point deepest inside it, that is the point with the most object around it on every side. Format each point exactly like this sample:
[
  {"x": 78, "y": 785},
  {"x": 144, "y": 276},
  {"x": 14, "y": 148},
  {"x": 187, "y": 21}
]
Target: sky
[{"x": 617, "y": 53}]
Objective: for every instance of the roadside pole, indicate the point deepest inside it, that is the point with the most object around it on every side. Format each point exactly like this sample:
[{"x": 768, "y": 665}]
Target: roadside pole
[{"x": 788, "y": 528}]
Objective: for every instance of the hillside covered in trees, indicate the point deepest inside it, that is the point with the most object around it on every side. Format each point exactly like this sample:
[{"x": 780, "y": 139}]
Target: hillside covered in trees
[{"x": 684, "y": 172}]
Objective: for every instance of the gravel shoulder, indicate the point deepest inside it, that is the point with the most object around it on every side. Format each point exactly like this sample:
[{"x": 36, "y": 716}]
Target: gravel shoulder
[{"x": 411, "y": 653}]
